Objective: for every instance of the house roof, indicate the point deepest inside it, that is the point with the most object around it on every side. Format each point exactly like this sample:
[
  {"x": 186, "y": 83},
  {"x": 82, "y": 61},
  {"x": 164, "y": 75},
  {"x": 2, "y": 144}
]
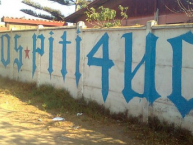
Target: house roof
[
  {"x": 72, "y": 17},
  {"x": 32, "y": 21},
  {"x": 3, "y": 28},
  {"x": 137, "y": 8}
]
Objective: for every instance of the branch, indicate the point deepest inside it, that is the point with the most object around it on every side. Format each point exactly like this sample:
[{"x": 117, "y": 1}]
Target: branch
[
  {"x": 32, "y": 4},
  {"x": 187, "y": 10},
  {"x": 64, "y": 2},
  {"x": 56, "y": 13},
  {"x": 81, "y": 3},
  {"x": 32, "y": 13},
  {"x": 184, "y": 6}
]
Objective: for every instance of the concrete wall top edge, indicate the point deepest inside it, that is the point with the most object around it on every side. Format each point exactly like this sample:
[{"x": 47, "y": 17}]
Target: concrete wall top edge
[
  {"x": 58, "y": 28},
  {"x": 115, "y": 28},
  {"x": 5, "y": 31},
  {"x": 173, "y": 26},
  {"x": 40, "y": 29}
]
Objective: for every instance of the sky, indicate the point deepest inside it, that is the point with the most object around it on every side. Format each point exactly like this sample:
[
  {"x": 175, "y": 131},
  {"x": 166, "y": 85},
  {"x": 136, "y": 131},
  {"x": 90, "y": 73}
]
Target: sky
[{"x": 11, "y": 8}]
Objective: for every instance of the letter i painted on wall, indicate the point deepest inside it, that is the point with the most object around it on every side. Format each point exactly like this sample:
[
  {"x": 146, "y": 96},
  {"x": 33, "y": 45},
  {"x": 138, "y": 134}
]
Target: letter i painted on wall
[
  {"x": 64, "y": 42},
  {"x": 77, "y": 73},
  {"x": 150, "y": 92},
  {"x": 37, "y": 50},
  {"x": 104, "y": 62},
  {"x": 51, "y": 40},
  {"x": 5, "y": 62},
  {"x": 17, "y": 61},
  {"x": 176, "y": 97}
]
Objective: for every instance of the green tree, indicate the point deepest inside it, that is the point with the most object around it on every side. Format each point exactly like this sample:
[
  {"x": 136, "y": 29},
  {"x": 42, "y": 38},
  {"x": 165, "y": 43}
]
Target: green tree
[
  {"x": 55, "y": 14},
  {"x": 105, "y": 17}
]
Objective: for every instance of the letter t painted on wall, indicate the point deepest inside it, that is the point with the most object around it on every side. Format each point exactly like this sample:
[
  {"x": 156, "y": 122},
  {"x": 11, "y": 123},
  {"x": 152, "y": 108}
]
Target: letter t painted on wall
[{"x": 64, "y": 42}]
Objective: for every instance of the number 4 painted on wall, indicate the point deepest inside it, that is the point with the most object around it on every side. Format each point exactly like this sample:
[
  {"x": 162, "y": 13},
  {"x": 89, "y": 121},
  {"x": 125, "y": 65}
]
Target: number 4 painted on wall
[{"x": 104, "y": 62}]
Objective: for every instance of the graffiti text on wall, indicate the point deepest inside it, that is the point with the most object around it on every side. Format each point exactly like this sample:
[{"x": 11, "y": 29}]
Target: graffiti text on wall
[{"x": 184, "y": 106}]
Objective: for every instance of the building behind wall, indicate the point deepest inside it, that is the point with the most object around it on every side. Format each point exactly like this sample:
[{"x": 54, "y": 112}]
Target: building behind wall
[
  {"x": 139, "y": 12},
  {"x": 21, "y": 23}
]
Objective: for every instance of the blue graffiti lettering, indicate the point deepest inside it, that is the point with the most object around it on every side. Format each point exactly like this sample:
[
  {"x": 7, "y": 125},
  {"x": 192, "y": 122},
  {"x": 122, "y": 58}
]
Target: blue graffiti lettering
[
  {"x": 17, "y": 61},
  {"x": 5, "y": 62},
  {"x": 64, "y": 43},
  {"x": 37, "y": 50},
  {"x": 77, "y": 73},
  {"x": 50, "y": 68},
  {"x": 104, "y": 62},
  {"x": 150, "y": 92},
  {"x": 176, "y": 97}
]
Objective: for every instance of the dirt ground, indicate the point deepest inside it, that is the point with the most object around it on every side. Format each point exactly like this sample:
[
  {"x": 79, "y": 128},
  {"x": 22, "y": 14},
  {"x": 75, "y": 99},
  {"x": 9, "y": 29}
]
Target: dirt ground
[
  {"x": 26, "y": 114},
  {"x": 23, "y": 124}
]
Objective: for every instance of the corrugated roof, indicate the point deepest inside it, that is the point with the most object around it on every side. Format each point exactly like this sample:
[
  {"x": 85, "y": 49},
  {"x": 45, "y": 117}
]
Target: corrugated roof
[{"x": 32, "y": 21}]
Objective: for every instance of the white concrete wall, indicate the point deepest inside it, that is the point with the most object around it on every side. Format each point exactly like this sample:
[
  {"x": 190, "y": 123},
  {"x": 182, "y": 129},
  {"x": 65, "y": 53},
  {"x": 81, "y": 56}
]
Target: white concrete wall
[{"x": 162, "y": 83}]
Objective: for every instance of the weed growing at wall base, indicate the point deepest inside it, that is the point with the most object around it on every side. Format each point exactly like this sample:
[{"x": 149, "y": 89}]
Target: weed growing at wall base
[{"x": 59, "y": 101}]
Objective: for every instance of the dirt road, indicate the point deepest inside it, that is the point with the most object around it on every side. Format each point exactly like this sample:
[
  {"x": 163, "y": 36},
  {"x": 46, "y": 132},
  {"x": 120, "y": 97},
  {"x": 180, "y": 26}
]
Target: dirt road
[
  {"x": 23, "y": 124},
  {"x": 26, "y": 119}
]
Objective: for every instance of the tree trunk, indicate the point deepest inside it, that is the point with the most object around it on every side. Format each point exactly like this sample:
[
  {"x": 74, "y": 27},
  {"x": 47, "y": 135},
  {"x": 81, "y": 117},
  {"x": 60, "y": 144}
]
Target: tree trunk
[{"x": 77, "y": 6}]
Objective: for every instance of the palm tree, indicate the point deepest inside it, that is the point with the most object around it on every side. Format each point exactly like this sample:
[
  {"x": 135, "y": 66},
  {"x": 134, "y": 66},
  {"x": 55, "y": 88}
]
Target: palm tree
[{"x": 55, "y": 14}]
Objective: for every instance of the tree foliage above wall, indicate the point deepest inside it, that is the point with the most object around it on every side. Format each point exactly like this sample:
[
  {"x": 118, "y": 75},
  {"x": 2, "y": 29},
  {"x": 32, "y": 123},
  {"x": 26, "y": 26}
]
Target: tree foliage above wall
[{"x": 105, "y": 17}]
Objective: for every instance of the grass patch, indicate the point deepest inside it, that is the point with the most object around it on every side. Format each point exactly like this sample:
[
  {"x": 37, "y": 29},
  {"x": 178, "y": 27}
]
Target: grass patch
[{"x": 58, "y": 101}]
